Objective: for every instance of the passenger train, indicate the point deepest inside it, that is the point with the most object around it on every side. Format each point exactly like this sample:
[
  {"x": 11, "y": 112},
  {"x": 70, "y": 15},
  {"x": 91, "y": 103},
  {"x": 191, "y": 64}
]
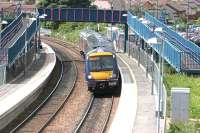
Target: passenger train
[{"x": 101, "y": 69}]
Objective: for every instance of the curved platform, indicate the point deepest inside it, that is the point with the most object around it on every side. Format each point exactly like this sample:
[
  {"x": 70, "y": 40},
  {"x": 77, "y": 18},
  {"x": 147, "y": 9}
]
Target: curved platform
[
  {"x": 124, "y": 119},
  {"x": 16, "y": 96},
  {"x": 136, "y": 109}
]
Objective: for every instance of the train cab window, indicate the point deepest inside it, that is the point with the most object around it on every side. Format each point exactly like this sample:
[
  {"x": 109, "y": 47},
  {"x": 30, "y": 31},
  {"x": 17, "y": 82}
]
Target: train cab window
[{"x": 101, "y": 63}]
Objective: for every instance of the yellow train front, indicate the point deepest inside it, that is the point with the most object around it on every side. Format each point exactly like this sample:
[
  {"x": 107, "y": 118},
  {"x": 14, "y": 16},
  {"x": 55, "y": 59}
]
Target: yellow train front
[{"x": 101, "y": 70}]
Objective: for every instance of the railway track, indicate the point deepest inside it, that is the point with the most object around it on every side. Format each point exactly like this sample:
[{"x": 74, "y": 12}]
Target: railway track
[
  {"x": 65, "y": 108},
  {"x": 74, "y": 49},
  {"x": 46, "y": 90},
  {"x": 39, "y": 118},
  {"x": 96, "y": 116},
  {"x": 95, "y": 108},
  {"x": 47, "y": 110}
]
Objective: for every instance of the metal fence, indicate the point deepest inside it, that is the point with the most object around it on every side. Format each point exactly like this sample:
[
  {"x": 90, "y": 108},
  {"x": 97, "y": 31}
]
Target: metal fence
[
  {"x": 20, "y": 45},
  {"x": 144, "y": 57},
  {"x": 21, "y": 64}
]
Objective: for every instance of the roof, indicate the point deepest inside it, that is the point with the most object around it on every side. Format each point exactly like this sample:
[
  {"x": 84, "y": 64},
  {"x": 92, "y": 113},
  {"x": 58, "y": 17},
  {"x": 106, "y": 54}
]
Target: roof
[
  {"x": 95, "y": 40},
  {"x": 100, "y": 51},
  {"x": 102, "y": 4}
]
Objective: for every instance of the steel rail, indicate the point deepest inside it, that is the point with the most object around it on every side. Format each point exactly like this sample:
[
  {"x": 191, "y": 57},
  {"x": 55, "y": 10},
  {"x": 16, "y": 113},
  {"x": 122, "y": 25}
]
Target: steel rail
[
  {"x": 65, "y": 100},
  {"x": 45, "y": 101},
  {"x": 40, "y": 105},
  {"x": 108, "y": 116},
  {"x": 85, "y": 115},
  {"x": 90, "y": 105}
]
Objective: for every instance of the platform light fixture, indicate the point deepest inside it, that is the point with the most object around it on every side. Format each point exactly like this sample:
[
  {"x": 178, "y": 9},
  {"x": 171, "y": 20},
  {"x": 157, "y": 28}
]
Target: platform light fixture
[
  {"x": 43, "y": 16},
  {"x": 2, "y": 22},
  {"x": 141, "y": 19},
  {"x": 158, "y": 29},
  {"x": 125, "y": 15},
  {"x": 134, "y": 17},
  {"x": 145, "y": 22},
  {"x": 112, "y": 20},
  {"x": 152, "y": 41}
]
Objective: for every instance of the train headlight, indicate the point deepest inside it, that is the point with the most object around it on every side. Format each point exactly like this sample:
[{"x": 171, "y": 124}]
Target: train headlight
[
  {"x": 114, "y": 75},
  {"x": 89, "y": 77}
]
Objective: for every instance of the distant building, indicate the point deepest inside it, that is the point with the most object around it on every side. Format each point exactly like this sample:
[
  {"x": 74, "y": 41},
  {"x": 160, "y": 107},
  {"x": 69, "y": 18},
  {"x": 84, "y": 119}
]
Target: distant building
[
  {"x": 174, "y": 7},
  {"x": 102, "y": 4}
]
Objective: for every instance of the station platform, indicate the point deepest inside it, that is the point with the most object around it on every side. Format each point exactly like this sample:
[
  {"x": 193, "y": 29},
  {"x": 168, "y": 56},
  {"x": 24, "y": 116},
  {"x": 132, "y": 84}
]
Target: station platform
[
  {"x": 137, "y": 107},
  {"x": 18, "y": 94}
]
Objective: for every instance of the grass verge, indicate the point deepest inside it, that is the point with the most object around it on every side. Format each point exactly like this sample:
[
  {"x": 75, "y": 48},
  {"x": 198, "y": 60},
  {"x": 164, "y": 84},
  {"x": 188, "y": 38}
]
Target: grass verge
[{"x": 186, "y": 81}]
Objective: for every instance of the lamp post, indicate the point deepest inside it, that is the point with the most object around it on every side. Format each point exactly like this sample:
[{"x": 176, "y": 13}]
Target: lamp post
[
  {"x": 146, "y": 22},
  {"x": 187, "y": 27},
  {"x": 161, "y": 70},
  {"x": 35, "y": 38},
  {"x": 157, "y": 9},
  {"x": 153, "y": 41},
  {"x": 43, "y": 16},
  {"x": 125, "y": 33},
  {"x": 112, "y": 20},
  {"x": 25, "y": 51}
]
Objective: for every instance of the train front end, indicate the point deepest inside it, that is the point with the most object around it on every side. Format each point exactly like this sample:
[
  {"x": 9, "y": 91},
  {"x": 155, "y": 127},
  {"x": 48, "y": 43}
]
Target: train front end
[{"x": 102, "y": 72}]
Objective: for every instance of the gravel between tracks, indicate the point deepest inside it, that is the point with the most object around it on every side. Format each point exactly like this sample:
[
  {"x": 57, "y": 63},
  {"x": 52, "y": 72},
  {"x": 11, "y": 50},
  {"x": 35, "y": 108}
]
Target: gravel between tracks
[
  {"x": 112, "y": 115},
  {"x": 72, "y": 111},
  {"x": 97, "y": 115},
  {"x": 56, "y": 100}
]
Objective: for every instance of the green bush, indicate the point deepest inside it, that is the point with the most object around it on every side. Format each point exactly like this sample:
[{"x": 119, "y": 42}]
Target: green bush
[
  {"x": 69, "y": 31},
  {"x": 191, "y": 127}
]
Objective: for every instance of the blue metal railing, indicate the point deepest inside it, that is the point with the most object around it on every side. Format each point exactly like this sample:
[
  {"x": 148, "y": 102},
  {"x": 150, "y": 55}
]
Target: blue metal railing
[
  {"x": 11, "y": 30},
  {"x": 191, "y": 52},
  {"x": 31, "y": 30},
  {"x": 171, "y": 54},
  {"x": 190, "y": 45},
  {"x": 18, "y": 47},
  {"x": 84, "y": 15}
]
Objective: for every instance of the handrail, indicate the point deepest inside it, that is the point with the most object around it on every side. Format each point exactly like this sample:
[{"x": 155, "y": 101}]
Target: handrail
[
  {"x": 8, "y": 30},
  {"x": 179, "y": 38},
  {"x": 10, "y": 34},
  {"x": 20, "y": 43},
  {"x": 144, "y": 30},
  {"x": 174, "y": 41}
]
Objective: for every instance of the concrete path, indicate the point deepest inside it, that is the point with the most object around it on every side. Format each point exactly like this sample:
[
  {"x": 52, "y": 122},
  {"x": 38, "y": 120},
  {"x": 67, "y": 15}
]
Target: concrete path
[
  {"x": 145, "y": 121},
  {"x": 17, "y": 95}
]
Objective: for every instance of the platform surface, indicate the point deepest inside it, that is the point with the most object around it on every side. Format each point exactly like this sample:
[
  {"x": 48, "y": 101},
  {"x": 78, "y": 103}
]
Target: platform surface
[
  {"x": 136, "y": 109},
  {"x": 13, "y": 93}
]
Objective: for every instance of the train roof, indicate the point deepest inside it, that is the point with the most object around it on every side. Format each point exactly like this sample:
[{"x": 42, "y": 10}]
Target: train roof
[
  {"x": 95, "y": 40},
  {"x": 100, "y": 50}
]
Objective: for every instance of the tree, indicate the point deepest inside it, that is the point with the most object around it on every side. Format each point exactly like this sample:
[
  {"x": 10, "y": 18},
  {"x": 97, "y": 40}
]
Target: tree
[
  {"x": 64, "y": 3},
  {"x": 77, "y": 3}
]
